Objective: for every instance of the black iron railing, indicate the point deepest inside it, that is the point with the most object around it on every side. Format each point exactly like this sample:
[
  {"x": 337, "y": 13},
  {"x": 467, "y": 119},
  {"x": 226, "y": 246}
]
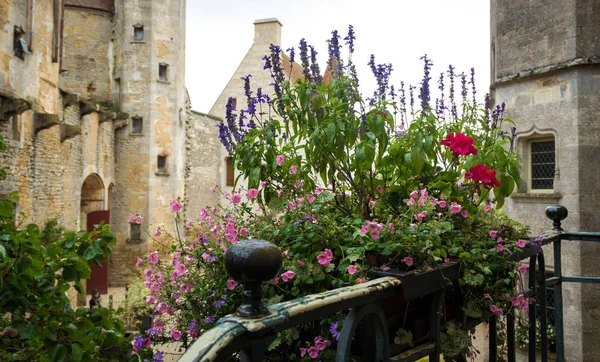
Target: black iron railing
[{"x": 253, "y": 263}]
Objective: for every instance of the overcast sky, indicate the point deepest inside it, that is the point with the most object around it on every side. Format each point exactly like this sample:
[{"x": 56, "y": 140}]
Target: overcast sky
[{"x": 457, "y": 32}]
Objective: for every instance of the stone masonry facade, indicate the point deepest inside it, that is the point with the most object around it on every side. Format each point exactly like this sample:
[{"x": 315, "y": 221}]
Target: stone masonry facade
[
  {"x": 546, "y": 68},
  {"x": 95, "y": 115}
]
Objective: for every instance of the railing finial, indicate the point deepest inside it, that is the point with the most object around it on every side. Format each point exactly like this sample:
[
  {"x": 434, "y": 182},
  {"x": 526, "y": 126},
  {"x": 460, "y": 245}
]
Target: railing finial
[
  {"x": 253, "y": 263},
  {"x": 556, "y": 213}
]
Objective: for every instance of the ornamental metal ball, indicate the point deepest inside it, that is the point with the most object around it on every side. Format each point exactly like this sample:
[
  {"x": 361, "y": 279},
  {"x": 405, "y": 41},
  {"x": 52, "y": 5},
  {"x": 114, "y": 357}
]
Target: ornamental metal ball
[
  {"x": 556, "y": 213},
  {"x": 253, "y": 263}
]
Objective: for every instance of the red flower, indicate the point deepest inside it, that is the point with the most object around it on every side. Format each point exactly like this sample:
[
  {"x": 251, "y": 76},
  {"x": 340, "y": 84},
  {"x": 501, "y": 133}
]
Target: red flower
[
  {"x": 480, "y": 173},
  {"x": 459, "y": 144}
]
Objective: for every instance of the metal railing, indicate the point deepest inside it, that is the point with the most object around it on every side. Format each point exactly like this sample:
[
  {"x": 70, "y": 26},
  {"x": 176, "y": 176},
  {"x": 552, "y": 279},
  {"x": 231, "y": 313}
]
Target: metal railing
[{"x": 247, "y": 333}]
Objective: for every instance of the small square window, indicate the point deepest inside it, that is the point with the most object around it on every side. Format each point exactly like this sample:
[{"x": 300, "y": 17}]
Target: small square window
[
  {"x": 543, "y": 163},
  {"x": 16, "y": 127},
  {"x": 162, "y": 164},
  {"x": 138, "y": 32},
  {"x": 230, "y": 174},
  {"x": 134, "y": 231},
  {"x": 137, "y": 125},
  {"x": 163, "y": 72},
  {"x": 234, "y": 102}
]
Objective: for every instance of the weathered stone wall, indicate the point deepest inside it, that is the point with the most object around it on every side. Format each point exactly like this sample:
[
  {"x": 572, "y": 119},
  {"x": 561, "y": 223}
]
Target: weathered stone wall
[
  {"x": 266, "y": 32},
  {"x": 202, "y": 147},
  {"x": 546, "y": 67},
  {"x": 87, "y": 59}
]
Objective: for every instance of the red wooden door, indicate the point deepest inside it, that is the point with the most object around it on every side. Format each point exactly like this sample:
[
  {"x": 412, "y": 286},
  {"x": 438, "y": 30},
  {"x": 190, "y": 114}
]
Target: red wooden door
[{"x": 99, "y": 277}]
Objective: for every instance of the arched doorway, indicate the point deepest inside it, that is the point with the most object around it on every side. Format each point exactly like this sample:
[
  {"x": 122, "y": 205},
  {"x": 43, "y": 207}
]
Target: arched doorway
[
  {"x": 92, "y": 198},
  {"x": 93, "y": 212}
]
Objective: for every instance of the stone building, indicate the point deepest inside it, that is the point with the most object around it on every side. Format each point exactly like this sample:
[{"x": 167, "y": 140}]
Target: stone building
[
  {"x": 266, "y": 32},
  {"x": 546, "y": 67},
  {"x": 94, "y": 111}
]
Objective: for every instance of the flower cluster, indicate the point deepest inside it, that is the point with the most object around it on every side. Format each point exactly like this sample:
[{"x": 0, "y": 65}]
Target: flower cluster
[
  {"x": 459, "y": 144},
  {"x": 135, "y": 219},
  {"x": 313, "y": 351},
  {"x": 480, "y": 173}
]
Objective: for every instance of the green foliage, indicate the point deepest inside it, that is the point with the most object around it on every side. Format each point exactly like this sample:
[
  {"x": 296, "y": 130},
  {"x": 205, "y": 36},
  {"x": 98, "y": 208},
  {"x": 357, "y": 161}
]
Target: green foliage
[
  {"x": 455, "y": 342},
  {"x": 37, "y": 267}
]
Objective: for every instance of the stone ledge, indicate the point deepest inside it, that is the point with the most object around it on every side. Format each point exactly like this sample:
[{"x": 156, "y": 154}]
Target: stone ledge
[{"x": 535, "y": 197}]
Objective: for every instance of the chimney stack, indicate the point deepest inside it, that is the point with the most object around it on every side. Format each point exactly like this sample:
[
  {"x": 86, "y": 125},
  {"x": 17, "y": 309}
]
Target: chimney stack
[{"x": 267, "y": 31}]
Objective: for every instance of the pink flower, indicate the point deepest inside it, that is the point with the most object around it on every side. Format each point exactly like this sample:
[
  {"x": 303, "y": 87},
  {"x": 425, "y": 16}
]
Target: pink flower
[
  {"x": 496, "y": 310},
  {"x": 252, "y": 193},
  {"x": 313, "y": 352},
  {"x": 310, "y": 198},
  {"x": 408, "y": 260},
  {"x": 300, "y": 262},
  {"x": 391, "y": 228},
  {"x": 522, "y": 268},
  {"x": 455, "y": 208},
  {"x": 372, "y": 204},
  {"x": 236, "y": 198},
  {"x": 243, "y": 231},
  {"x": 420, "y": 216},
  {"x": 157, "y": 233},
  {"x": 175, "y": 334},
  {"x": 410, "y": 202},
  {"x": 318, "y": 191},
  {"x": 139, "y": 262},
  {"x": 375, "y": 234},
  {"x": 516, "y": 301},
  {"x": 521, "y": 243},
  {"x": 500, "y": 247},
  {"x": 414, "y": 194},
  {"x": 487, "y": 208},
  {"x": 352, "y": 269},
  {"x": 442, "y": 204},
  {"x": 464, "y": 214},
  {"x": 384, "y": 267},
  {"x": 280, "y": 159},
  {"x": 189, "y": 224},
  {"x": 262, "y": 184},
  {"x": 424, "y": 194},
  {"x": 212, "y": 189},
  {"x": 364, "y": 229},
  {"x": 360, "y": 280},
  {"x": 153, "y": 257},
  {"x": 279, "y": 192},
  {"x": 203, "y": 213},
  {"x": 380, "y": 189},
  {"x": 175, "y": 205},
  {"x": 493, "y": 234},
  {"x": 292, "y": 205},
  {"x": 275, "y": 281},
  {"x": 302, "y": 352},
  {"x": 325, "y": 258},
  {"x": 231, "y": 284},
  {"x": 321, "y": 343},
  {"x": 287, "y": 276},
  {"x": 293, "y": 170}
]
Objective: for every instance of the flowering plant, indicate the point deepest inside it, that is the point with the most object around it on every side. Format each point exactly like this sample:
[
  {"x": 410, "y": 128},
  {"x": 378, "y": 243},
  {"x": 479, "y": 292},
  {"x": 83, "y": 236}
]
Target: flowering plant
[{"x": 334, "y": 178}]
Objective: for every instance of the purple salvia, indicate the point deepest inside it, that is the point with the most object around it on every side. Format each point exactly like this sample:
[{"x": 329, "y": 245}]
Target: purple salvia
[
  {"x": 334, "y": 54},
  {"x": 424, "y": 91},
  {"x": 350, "y": 38},
  {"x": 451, "y": 91},
  {"x": 304, "y": 59},
  {"x": 314, "y": 66},
  {"x": 442, "y": 108},
  {"x": 473, "y": 89},
  {"x": 230, "y": 117},
  {"x": 412, "y": 100}
]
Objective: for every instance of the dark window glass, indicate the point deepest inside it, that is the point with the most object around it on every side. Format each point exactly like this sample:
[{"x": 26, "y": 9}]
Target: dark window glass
[
  {"x": 543, "y": 159},
  {"x": 138, "y": 33},
  {"x": 162, "y": 164},
  {"x": 137, "y": 124},
  {"x": 163, "y": 70}
]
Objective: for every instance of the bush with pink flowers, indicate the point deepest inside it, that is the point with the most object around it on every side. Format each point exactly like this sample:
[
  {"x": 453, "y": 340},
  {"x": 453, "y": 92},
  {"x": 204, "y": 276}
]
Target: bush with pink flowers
[{"x": 333, "y": 177}]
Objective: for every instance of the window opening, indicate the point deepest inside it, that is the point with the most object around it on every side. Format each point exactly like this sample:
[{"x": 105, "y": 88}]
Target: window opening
[
  {"x": 543, "y": 159},
  {"x": 137, "y": 125},
  {"x": 162, "y": 164},
  {"x": 163, "y": 70},
  {"x": 138, "y": 32},
  {"x": 229, "y": 172}
]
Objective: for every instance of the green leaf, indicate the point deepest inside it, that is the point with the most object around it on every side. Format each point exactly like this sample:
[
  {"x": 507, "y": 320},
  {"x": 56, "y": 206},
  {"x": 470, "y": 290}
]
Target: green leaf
[
  {"x": 58, "y": 353},
  {"x": 25, "y": 328},
  {"x": 78, "y": 287},
  {"x": 2, "y": 251},
  {"x": 77, "y": 352},
  {"x": 70, "y": 274}
]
